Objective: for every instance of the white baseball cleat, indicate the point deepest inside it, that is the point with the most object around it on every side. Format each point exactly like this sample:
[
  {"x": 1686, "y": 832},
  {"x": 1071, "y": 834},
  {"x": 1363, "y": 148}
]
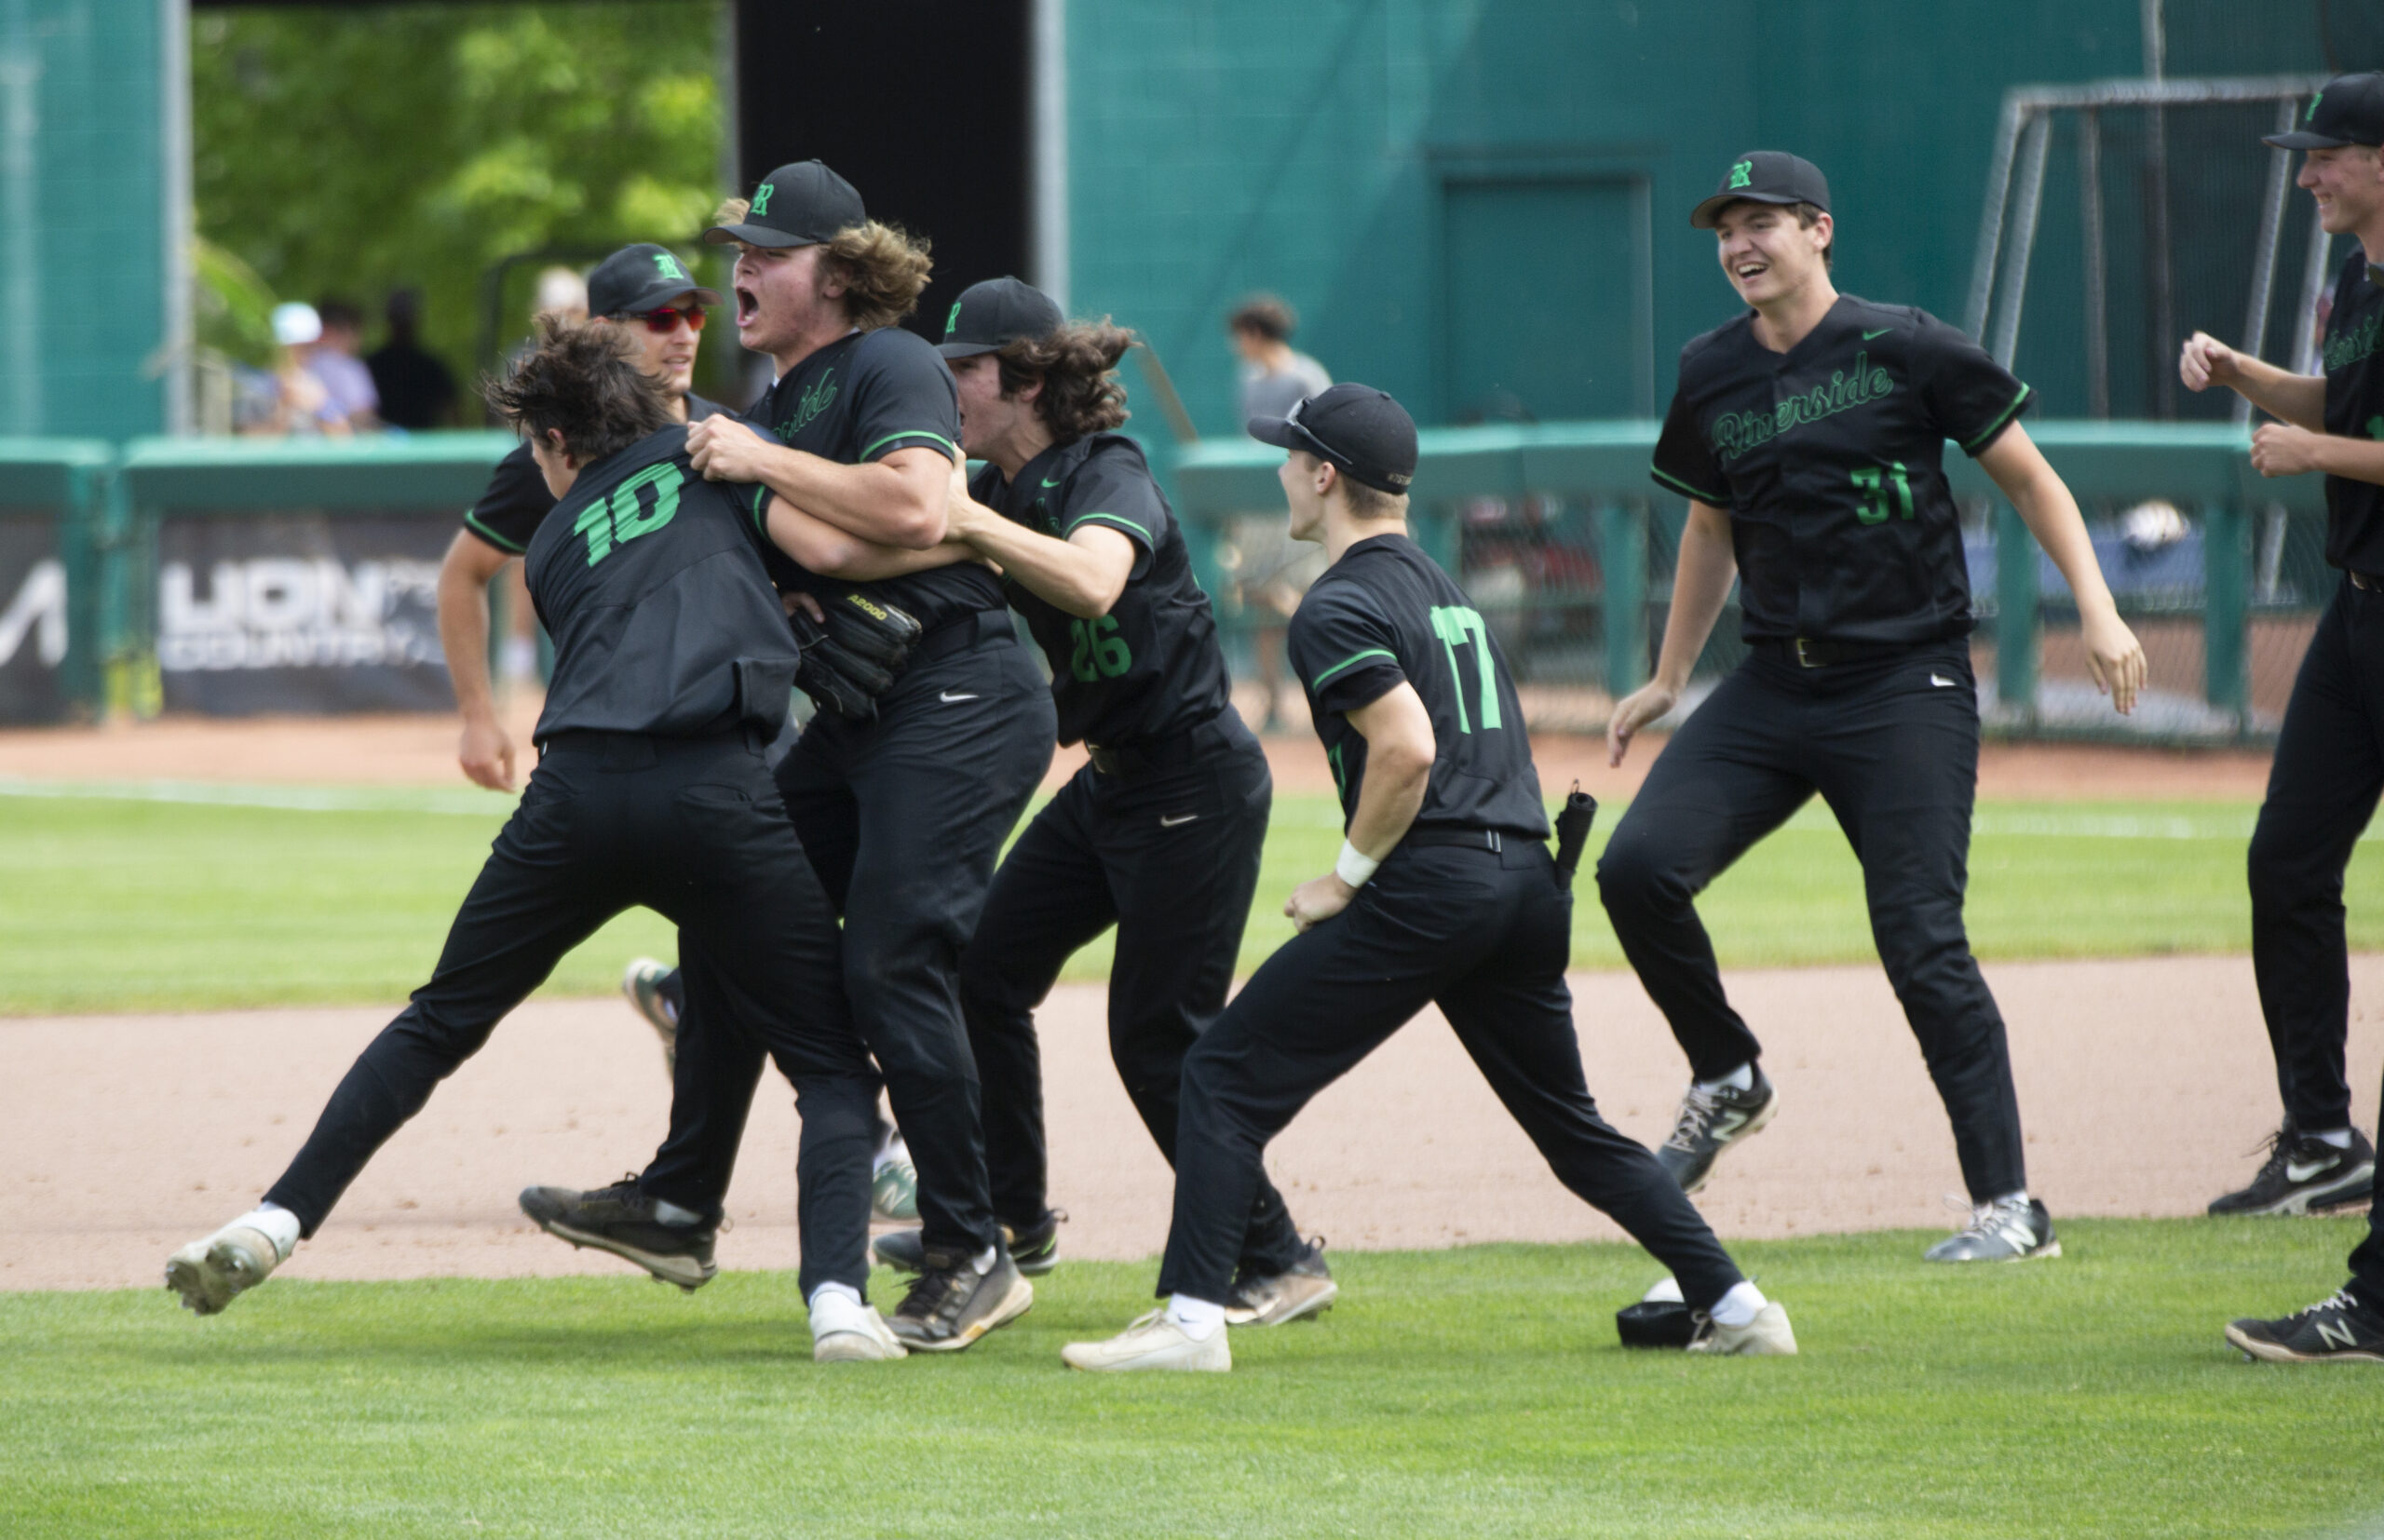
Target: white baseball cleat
[
  {"x": 845, "y": 1330},
  {"x": 1767, "y": 1335},
  {"x": 1153, "y": 1341},
  {"x": 209, "y": 1274}
]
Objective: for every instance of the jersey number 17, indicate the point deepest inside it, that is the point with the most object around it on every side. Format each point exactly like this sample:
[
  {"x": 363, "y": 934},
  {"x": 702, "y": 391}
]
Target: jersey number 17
[{"x": 1458, "y": 625}]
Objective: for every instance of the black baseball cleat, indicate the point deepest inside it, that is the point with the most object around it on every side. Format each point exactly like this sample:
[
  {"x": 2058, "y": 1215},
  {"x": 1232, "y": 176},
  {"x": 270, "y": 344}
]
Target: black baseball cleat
[
  {"x": 1302, "y": 1292},
  {"x": 619, "y": 1218},
  {"x": 952, "y": 1304},
  {"x": 1710, "y": 1121},
  {"x": 2304, "y": 1175},
  {"x": 1035, "y": 1250},
  {"x": 2338, "y": 1330}
]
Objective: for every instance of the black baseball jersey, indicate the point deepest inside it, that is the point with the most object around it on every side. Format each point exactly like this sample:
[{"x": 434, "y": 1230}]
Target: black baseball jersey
[
  {"x": 859, "y": 400},
  {"x": 1384, "y": 612},
  {"x": 517, "y": 500},
  {"x": 2354, "y": 363},
  {"x": 650, "y": 580},
  {"x": 1151, "y": 666},
  {"x": 1830, "y": 460}
]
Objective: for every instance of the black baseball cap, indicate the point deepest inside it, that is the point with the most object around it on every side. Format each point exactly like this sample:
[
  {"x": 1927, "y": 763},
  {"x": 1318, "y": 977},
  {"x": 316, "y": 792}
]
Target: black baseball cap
[
  {"x": 1765, "y": 176},
  {"x": 641, "y": 278},
  {"x": 1361, "y": 430},
  {"x": 804, "y": 204},
  {"x": 989, "y": 316},
  {"x": 2349, "y": 110}
]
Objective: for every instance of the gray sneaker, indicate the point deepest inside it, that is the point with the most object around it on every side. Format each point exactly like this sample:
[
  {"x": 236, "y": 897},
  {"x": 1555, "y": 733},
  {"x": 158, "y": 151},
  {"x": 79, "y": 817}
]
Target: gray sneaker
[
  {"x": 1710, "y": 1121},
  {"x": 1302, "y": 1292},
  {"x": 2010, "y": 1229},
  {"x": 952, "y": 1304},
  {"x": 1035, "y": 1250}
]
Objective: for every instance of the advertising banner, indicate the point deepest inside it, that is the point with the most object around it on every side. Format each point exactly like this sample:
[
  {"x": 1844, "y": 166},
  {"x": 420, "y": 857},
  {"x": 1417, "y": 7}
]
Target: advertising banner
[
  {"x": 32, "y": 619},
  {"x": 300, "y": 613}
]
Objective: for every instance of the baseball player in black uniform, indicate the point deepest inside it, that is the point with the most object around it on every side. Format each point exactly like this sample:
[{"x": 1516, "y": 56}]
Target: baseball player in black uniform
[
  {"x": 2329, "y": 767},
  {"x": 1809, "y": 436},
  {"x": 1159, "y": 834},
  {"x": 902, "y": 802},
  {"x": 672, "y": 668},
  {"x": 1444, "y": 893}
]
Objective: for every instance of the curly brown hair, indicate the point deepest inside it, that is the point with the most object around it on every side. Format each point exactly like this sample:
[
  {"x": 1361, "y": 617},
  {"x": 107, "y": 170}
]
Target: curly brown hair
[
  {"x": 582, "y": 382},
  {"x": 1081, "y": 392},
  {"x": 883, "y": 267}
]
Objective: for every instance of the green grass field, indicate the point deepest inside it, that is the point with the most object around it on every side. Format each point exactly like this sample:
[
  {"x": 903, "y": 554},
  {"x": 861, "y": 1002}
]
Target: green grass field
[
  {"x": 114, "y": 902},
  {"x": 1475, "y": 1392}
]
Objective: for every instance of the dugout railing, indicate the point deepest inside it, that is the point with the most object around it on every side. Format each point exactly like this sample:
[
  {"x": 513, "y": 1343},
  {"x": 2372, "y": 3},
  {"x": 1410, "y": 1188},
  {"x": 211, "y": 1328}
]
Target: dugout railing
[{"x": 1566, "y": 548}]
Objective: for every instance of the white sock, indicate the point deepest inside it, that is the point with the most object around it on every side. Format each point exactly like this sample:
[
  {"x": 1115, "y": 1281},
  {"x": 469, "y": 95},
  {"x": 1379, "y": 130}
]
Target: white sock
[
  {"x": 984, "y": 1260},
  {"x": 2017, "y": 1199},
  {"x": 275, "y": 1223},
  {"x": 667, "y": 1212},
  {"x": 843, "y": 1291},
  {"x": 1739, "y": 1306},
  {"x": 1199, "y": 1318},
  {"x": 2339, "y": 1138},
  {"x": 1740, "y": 1079}
]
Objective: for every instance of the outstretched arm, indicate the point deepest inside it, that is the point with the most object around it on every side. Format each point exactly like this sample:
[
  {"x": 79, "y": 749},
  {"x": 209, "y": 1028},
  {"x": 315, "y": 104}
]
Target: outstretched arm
[
  {"x": 1701, "y": 579},
  {"x": 896, "y": 501},
  {"x": 817, "y": 546},
  {"x": 1082, "y": 576},
  {"x": 2113, "y": 655}
]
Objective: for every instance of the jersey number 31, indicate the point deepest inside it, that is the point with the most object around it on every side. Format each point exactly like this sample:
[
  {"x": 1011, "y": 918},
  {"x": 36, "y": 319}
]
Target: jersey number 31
[{"x": 1458, "y": 625}]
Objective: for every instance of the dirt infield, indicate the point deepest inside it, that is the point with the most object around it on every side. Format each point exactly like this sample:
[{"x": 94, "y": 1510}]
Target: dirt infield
[
  {"x": 420, "y": 751},
  {"x": 2143, "y": 1084}
]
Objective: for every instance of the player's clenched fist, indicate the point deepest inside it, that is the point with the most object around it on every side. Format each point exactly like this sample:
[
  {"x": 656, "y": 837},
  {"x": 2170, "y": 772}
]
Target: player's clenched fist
[
  {"x": 2279, "y": 449},
  {"x": 2205, "y": 361},
  {"x": 1317, "y": 900},
  {"x": 726, "y": 450}
]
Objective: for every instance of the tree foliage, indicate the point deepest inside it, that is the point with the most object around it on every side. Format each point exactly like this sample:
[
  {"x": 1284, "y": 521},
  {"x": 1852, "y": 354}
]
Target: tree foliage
[{"x": 349, "y": 152}]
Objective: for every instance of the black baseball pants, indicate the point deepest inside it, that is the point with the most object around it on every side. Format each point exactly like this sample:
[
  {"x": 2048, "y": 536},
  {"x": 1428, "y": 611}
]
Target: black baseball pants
[
  {"x": 1169, "y": 856},
  {"x": 1891, "y": 742},
  {"x": 1486, "y": 936},
  {"x": 903, "y": 818},
  {"x": 2322, "y": 788},
  {"x": 695, "y": 829}
]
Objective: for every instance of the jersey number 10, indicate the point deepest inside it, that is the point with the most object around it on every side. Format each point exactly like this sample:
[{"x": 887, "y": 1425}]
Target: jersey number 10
[
  {"x": 617, "y": 518},
  {"x": 1458, "y": 625}
]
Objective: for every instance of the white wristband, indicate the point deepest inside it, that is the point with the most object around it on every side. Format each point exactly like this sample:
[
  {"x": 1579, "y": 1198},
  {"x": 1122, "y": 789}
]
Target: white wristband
[{"x": 1355, "y": 866}]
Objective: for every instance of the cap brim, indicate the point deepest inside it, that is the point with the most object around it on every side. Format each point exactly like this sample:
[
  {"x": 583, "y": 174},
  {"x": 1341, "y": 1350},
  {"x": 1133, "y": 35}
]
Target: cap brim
[
  {"x": 753, "y": 234},
  {"x": 967, "y": 350},
  {"x": 2302, "y": 138},
  {"x": 1705, "y": 214},
  {"x": 1276, "y": 431}
]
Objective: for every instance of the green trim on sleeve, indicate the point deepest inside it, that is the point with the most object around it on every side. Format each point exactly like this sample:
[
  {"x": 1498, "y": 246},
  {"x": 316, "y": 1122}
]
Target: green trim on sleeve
[
  {"x": 871, "y": 452},
  {"x": 757, "y": 502},
  {"x": 1996, "y": 427},
  {"x": 1318, "y": 682},
  {"x": 1119, "y": 519},
  {"x": 471, "y": 522},
  {"x": 1709, "y": 498}
]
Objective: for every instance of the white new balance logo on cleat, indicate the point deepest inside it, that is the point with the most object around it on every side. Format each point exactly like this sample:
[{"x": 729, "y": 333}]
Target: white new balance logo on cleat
[{"x": 2337, "y": 1336}]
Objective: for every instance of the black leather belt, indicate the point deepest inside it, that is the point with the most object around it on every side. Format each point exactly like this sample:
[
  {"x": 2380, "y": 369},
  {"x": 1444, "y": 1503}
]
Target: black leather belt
[
  {"x": 961, "y": 634},
  {"x": 1467, "y": 839},
  {"x": 1807, "y": 652},
  {"x": 1146, "y": 755},
  {"x": 2363, "y": 582}
]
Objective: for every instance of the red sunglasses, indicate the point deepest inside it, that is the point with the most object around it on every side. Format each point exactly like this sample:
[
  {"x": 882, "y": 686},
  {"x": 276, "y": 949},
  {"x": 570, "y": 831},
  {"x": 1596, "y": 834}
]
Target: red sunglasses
[{"x": 666, "y": 320}]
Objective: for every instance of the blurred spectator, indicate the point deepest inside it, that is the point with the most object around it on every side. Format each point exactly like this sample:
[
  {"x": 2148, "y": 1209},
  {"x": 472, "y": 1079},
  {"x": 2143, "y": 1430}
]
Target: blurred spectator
[
  {"x": 416, "y": 390},
  {"x": 344, "y": 376},
  {"x": 288, "y": 399},
  {"x": 562, "y": 294},
  {"x": 1274, "y": 378}
]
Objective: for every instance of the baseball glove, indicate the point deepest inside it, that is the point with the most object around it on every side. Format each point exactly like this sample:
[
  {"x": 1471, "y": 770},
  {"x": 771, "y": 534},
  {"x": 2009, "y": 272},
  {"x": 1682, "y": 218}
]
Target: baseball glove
[{"x": 855, "y": 656}]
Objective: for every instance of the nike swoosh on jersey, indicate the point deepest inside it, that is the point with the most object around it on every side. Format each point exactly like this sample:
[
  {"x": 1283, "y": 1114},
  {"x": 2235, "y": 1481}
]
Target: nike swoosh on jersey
[
  {"x": 1166, "y": 822},
  {"x": 948, "y": 695},
  {"x": 1048, "y": 483},
  {"x": 1943, "y": 682},
  {"x": 1881, "y": 333}
]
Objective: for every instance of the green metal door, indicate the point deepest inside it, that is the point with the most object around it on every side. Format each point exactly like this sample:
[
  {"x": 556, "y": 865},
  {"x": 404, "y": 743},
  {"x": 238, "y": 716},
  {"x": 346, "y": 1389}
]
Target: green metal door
[{"x": 1545, "y": 300}]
